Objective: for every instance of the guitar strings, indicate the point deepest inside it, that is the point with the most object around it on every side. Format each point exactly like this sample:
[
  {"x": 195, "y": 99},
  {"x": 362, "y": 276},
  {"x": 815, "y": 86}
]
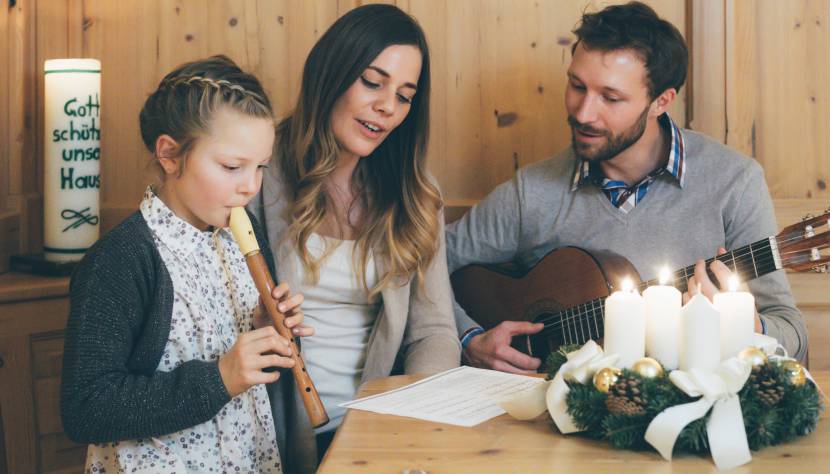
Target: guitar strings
[
  {"x": 576, "y": 314},
  {"x": 736, "y": 259}
]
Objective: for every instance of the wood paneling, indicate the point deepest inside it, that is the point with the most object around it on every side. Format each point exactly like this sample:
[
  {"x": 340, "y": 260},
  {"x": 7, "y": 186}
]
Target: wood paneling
[{"x": 498, "y": 73}]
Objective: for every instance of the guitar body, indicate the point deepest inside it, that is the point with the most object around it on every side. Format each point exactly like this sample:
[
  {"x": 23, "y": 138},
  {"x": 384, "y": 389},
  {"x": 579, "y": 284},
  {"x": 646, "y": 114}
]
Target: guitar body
[
  {"x": 566, "y": 289},
  {"x": 564, "y": 278}
]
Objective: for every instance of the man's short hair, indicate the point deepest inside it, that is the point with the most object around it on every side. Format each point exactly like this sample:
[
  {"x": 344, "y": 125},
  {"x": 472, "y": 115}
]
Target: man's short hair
[{"x": 637, "y": 27}]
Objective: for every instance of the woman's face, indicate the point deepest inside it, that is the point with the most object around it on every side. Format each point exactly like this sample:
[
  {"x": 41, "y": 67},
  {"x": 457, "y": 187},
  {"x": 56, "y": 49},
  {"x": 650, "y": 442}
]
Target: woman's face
[{"x": 378, "y": 101}]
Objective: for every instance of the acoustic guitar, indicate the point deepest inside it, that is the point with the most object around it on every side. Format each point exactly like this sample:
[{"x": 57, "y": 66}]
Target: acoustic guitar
[{"x": 571, "y": 304}]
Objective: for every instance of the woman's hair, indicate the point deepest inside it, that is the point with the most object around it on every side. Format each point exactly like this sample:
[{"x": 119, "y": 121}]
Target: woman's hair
[
  {"x": 399, "y": 203},
  {"x": 186, "y": 99}
]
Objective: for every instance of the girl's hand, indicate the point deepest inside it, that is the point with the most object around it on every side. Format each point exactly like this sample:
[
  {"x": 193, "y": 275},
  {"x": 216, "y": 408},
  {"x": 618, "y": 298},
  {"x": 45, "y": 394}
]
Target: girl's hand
[
  {"x": 241, "y": 368},
  {"x": 289, "y": 306}
]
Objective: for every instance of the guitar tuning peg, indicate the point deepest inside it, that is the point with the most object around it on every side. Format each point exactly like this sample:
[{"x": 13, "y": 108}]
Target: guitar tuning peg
[{"x": 820, "y": 268}]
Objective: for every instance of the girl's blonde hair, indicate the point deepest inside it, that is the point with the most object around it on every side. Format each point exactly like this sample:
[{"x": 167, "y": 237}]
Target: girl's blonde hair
[
  {"x": 400, "y": 222},
  {"x": 187, "y": 98}
]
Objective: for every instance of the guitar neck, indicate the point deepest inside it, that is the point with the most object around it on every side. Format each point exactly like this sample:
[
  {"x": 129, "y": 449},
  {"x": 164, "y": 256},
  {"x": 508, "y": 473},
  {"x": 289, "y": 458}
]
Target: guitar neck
[
  {"x": 578, "y": 324},
  {"x": 748, "y": 263}
]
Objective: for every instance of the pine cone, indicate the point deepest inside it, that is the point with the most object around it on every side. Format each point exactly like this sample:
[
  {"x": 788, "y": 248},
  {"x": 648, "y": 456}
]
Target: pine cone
[
  {"x": 762, "y": 380},
  {"x": 625, "y": 397}
]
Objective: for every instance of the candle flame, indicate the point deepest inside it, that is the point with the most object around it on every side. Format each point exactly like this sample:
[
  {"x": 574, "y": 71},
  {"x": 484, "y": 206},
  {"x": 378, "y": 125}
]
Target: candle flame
[
  {"x": 627, "y": 285},
  {"x": 665, "y": 275},
  {"x": 734, "y": 283}
]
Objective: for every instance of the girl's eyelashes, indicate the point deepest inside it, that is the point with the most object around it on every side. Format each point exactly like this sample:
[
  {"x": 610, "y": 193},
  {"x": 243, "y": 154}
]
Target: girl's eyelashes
[
  {"x": 404, "y": 99},
  {"x": 234, "y": 168}
]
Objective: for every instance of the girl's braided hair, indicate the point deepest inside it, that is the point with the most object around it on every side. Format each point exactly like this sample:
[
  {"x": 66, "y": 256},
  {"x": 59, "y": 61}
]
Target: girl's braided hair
[{"x": 186, "y": 99}]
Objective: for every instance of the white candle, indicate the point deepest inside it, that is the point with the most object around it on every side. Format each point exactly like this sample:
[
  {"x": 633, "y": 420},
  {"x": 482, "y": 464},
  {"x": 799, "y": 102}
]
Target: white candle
[
  {"x": 663, "y": 328},
  {"x": 625, "y": 325},
  {"x": 71, "y": 152},
  {"x": 700, "y": 346},
  {"x": 737, "y": 319}
]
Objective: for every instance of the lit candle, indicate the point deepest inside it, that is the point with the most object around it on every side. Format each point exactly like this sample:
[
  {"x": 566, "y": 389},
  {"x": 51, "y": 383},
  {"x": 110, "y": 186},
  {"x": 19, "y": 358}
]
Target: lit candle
[
  {"x": 700, "y": 336},
  {"x": 71, "y": 152},
  {"x": 625, "y": 325},
  {"x": 663, "y": 326},
  {"x": 737, "y": 319}
]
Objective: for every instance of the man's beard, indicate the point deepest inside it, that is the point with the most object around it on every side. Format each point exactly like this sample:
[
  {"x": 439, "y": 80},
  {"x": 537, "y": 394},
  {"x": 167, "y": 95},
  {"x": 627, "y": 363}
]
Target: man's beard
[{"x": 614, "y": 144}]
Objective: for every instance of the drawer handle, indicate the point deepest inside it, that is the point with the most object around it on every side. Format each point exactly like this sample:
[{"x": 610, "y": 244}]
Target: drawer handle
[{"x": 2, "y": 363}]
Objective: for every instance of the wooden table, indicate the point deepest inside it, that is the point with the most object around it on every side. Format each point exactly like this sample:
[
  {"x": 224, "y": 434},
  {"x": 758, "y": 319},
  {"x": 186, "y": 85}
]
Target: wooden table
[{"x": 373, "y": 443}]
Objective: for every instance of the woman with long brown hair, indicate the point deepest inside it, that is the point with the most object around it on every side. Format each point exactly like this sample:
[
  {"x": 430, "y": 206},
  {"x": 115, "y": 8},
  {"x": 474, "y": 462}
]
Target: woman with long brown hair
[{"x": 354, "y": 220}]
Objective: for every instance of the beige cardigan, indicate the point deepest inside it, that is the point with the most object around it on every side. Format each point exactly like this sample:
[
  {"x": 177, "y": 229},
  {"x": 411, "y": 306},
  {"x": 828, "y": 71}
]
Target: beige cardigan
[{"x": 415, "y": 322}]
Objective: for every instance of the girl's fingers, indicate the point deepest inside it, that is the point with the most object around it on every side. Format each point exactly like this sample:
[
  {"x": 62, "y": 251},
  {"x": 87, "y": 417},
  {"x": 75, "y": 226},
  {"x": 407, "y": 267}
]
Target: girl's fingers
[
  {"x": 294, "y": 319},
  {"x": 303, "y": 331},
  {"x": 280, "y": 291},
  {"x": 272, "y": 360},
  {"x": 259, "y": 377},
  {"x": 275, "y": 343},
  {"x": 291, "y": 303}
]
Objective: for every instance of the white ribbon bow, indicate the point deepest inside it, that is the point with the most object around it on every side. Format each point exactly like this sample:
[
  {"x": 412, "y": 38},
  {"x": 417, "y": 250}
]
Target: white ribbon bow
[
  {"x": 725, "y": 427},
  {"x": 580, "y": 367}
]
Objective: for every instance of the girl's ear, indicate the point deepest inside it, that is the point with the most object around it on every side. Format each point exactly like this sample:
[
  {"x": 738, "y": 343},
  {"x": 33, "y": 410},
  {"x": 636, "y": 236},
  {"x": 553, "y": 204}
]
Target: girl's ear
[{"x": 167, "y": 154}]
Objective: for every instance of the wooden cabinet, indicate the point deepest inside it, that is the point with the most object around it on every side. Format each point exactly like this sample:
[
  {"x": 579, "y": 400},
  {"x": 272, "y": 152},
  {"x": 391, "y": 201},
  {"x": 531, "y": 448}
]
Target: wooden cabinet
[{"x": 33, "y": 312}]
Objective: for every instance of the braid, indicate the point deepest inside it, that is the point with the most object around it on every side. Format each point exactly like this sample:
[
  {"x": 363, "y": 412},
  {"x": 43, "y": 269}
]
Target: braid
[
  {"x": 187, "y": 98},
  {"x": 214, "y": 83}
]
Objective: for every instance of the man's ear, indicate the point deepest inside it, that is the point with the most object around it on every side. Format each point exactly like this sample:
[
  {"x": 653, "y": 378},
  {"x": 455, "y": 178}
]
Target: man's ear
[
  {"x": 167, "y": 152},
  {"x": 663, "y": 101}
]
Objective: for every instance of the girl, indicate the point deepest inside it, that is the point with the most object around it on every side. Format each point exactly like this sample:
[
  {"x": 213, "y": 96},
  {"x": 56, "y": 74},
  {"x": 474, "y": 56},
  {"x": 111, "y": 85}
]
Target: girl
[
  {"x": 353, "y": 217},
  {"x": 162, "y": 370}
]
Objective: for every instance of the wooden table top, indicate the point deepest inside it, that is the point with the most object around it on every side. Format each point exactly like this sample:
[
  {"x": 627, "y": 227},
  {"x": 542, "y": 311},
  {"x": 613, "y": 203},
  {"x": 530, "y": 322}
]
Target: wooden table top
[{"x": 374, "y": 443}]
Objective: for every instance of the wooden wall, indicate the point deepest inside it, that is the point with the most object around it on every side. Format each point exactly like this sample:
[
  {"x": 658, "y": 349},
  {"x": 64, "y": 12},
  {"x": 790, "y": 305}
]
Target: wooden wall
[{"x": 759, "y": 83}]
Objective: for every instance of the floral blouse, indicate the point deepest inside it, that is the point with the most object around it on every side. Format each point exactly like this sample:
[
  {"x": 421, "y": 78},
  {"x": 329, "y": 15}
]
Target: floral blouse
[{"x": 214, "y": 300}]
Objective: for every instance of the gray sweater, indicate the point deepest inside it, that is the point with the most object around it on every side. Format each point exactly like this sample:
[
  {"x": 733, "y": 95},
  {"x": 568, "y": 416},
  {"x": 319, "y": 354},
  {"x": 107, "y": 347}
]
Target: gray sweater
[{"x": 724, "y": 202}]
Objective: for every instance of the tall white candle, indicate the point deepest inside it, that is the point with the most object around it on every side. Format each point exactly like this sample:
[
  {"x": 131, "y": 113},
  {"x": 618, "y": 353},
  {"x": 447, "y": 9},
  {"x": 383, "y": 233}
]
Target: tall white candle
[
  {"x": 663, "y": 326},
  {"x": 700, "y": 346},
  {"x": 737, "y": 319},
  {"x": 72, "y": 150},
  {"x": 625, "y": 325}
]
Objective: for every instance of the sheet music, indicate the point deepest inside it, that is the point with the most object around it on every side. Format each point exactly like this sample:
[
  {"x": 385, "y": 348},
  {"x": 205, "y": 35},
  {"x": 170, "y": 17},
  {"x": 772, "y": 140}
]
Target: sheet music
[{"x": 464, "y": 396}]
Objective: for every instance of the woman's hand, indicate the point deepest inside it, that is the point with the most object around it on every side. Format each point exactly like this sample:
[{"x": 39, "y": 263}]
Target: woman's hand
[
  {"x": 289, "y": 306},
  {"x": 241, "y": 367}
]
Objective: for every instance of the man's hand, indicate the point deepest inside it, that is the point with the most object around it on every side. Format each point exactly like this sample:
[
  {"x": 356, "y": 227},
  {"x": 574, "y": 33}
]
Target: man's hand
[
  {"x": 707, "y": 287},
  {"x": 491, "y": 350}
]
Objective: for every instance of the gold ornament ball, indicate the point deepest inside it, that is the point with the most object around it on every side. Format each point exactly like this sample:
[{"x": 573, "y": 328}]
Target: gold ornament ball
[
  {"x": 605, "y": 378},
  {"x": 753, "y": 355},
  {"x": 796, "y": 374},
  {"x": 648, "y": 368}
]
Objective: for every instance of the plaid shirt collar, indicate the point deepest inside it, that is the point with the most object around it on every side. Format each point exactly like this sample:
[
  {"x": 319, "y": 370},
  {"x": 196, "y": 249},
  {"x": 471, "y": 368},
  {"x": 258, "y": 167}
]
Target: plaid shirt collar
[{"x": 675, "y": 166}]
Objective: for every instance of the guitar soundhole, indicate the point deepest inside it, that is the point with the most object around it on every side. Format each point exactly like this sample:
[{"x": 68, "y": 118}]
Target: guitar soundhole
[{"x": 540, "y": 345}]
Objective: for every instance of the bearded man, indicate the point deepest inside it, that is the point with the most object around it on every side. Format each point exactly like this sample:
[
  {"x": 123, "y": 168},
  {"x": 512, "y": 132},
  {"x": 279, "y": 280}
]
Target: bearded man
[{"x": 632, "y": 182}]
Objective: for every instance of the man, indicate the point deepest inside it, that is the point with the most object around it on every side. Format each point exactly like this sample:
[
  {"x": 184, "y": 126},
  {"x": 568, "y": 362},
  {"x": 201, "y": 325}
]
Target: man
[{"x": 632, "y": 182}]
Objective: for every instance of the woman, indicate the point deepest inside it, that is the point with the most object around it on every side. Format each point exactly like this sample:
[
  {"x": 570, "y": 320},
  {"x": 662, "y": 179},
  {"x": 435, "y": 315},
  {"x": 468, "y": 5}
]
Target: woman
[{"x": 354, "y": 220}]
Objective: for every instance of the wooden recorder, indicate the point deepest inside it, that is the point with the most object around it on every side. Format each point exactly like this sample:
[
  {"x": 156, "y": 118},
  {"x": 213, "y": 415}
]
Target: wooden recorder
[{"x": 243, "y": 232}]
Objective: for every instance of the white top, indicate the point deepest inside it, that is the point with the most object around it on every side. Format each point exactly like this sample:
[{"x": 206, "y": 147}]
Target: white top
[
  {"x": 342, "y": 316},
  {"x": 213, "y": 302}
]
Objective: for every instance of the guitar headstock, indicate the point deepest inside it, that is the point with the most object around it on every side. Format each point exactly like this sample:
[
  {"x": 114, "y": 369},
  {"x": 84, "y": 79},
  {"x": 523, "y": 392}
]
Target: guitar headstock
[{"x": 804, "y": 246}]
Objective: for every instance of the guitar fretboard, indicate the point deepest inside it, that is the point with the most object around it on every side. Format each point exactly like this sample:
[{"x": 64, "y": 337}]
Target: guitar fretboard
[{"x": 578, "y": 324}]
